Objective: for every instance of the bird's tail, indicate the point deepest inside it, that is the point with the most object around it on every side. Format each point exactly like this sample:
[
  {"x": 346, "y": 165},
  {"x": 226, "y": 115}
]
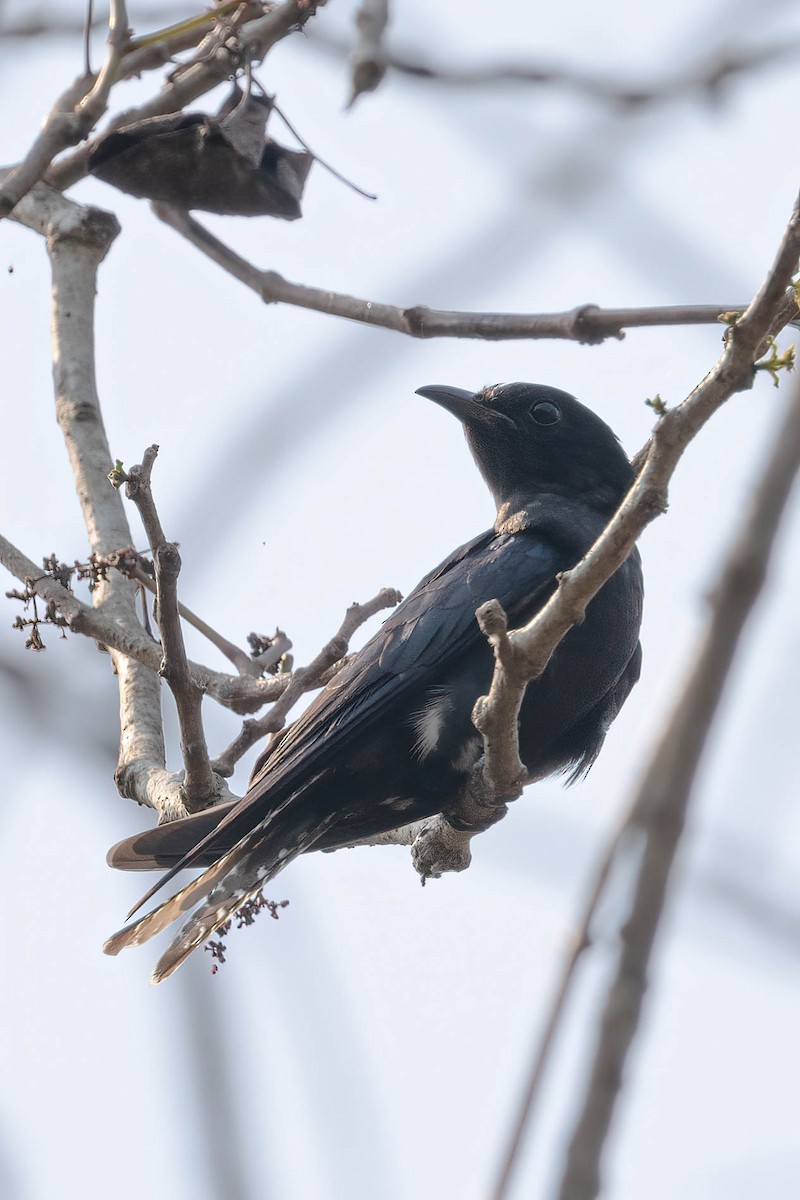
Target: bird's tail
[{"x": 238, "y": 876}]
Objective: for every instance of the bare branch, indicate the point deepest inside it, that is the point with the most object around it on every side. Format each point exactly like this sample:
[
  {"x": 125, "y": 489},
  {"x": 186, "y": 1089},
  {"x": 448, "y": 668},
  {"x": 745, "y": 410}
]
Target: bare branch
[
  {"x": 76, "y": 249},
  {"x": 61, "y": 128},
  {"x": 242, "y": 694},
  {"x": 706, "y": 78},
  {"x": 73, "y": 115},
  {"x": 587, "y": 323},
  {"x": 304, "y": 679},
  {"x": 94, "y": 103},
  {"x": 664, "y": 794},
  {"x": 244, "y": 664},
  {"x": 494, "y": 716},
  {"x": 198, "y": 786},
  {"x": 77, "y": 245},
  {"x": 732, "y": 601},
  {"x": 152, "y": 50},
  {"x": 442, "y": 844}
]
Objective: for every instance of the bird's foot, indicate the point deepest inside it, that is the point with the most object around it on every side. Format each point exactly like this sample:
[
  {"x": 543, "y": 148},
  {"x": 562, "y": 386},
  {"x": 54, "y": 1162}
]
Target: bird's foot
[{"x": 439, "y": 848}]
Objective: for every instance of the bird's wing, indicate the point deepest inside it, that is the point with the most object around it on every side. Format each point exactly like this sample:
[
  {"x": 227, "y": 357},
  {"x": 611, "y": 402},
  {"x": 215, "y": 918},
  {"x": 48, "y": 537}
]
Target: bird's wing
[
  {"x": 404, "y": 657},
  {"x": 409, "y": 650}
]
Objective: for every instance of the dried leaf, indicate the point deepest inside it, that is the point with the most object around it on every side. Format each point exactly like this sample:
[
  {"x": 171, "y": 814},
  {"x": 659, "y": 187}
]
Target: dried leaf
[{"x": 222, "y": 164}]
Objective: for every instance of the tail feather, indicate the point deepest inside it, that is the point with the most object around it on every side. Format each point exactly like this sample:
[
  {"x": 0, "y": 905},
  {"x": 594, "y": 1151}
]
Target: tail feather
[
  {"x": 153, "y": 922},
  {"x": 238, "y": 876},
  {"x": 255, "y": 867},
  {"x": 165, "y": 845}
]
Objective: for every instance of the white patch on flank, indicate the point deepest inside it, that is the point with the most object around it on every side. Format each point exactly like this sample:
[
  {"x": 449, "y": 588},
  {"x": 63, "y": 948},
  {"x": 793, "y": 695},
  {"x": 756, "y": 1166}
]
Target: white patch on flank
[
  {"x": 429, "y": 721},
  {"x": 468, "y": 755},
  {"x": 282, "y": 854}
]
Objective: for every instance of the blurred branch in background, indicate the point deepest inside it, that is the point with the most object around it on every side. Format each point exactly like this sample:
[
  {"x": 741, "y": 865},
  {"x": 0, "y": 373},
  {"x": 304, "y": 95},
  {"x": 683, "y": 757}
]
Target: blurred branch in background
[
  {"x": 770, "y": 918},
  {"x": 713, "y": 72},
  {"x": 215, "y": 1095},
  {"x": 368, "y": 59}
]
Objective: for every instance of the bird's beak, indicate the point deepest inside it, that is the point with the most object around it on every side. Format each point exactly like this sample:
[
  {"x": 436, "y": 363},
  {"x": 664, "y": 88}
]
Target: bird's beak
[
  {"x": 463, "y": 405},
  {"x": 458, "y": 402}
]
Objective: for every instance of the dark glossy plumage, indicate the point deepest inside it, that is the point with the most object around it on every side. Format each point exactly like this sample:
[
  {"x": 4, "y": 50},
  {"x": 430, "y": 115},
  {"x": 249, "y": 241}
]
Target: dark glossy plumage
[{"x": 390, "y": 740}]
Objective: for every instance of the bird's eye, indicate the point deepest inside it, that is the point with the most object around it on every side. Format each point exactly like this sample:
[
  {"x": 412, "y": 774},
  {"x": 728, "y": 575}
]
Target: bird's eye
[{"x": 545, "y": 413}]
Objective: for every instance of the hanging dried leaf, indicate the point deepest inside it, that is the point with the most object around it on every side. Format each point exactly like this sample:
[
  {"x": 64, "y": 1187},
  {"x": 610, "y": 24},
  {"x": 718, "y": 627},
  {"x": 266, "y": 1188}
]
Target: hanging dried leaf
[{"x": 222, "y": 164}]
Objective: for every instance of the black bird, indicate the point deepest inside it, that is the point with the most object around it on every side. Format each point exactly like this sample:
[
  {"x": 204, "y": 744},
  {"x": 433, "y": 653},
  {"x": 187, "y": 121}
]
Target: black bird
[{"x": 390, "y": 740}]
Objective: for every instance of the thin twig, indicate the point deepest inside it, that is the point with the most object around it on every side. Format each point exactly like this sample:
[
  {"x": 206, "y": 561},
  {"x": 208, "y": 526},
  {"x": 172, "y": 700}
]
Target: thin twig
[
  {"x": 663, "y": 799},
  {"x": 87, "y": 37},
  {"x": 182, "y": 34},
  {"x": 304, "y": 679},
  {"x": 322, "y": 162},
  {"x": 240, "y": 693},
  {"x": 95, "y": 102},
  {"x": 587, "y": 323},
  {"x": 243, "y": 662}
]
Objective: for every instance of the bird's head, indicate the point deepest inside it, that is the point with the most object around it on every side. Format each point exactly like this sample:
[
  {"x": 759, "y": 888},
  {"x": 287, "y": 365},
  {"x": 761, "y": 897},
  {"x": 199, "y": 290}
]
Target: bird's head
[{"x": 528, "y": 439}]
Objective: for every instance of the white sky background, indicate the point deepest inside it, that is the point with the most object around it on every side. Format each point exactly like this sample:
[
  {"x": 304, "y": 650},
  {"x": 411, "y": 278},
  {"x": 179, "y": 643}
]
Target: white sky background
[{"x": 374, "y": 1040}]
